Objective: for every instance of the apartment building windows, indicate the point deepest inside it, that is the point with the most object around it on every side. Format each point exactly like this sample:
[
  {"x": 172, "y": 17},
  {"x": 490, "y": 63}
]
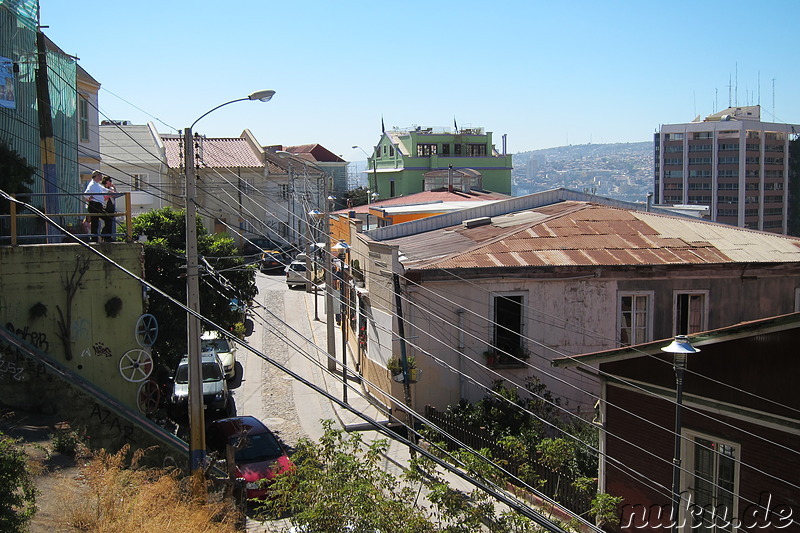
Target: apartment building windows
[
  {"x": 728, "y": 173},
  {"x": 728, "y": 186},
  {"x": 674, "y": 149},
  {"x": 773, "y": 186},
  {"x": 728, "y": 160},
  {"x": 728, "y": 199},
  {"x": 704, "y": 186},
  {"x": 673, "y": 161},
  {"x": 699, "y": 160},
  {"x": 774, "y": 148},
  {"x": 752, "y": 147},
  {"x": 476, "y": 150},
  {"x": 751, "y": 160},
  {"x": 673, "y": 173},
  {"x": 699, "y": 200},
  {"x": 727, "y": 212},
  {"x": 773, "y": 174},
  {"x": 83, "y": 118},
  {"x": 691, "y": 312},
  {"x": 426, "y": 150},
  {"x": 673, "y": 186},
  {"x": 751, "y": 174},
  {"x": 728, "y": 147},
  {"x": 673, "y": 136},
  {"x": 699, "y": 173},
  {"x": 773, "y": 211},
  {"x": 700, "y": 148},
  {"x": 751, "y": 186},
  {"x": 773, "y": 160},
  {"x": 703, "y": 135},
  {"x": 635, "y": 317},
  {"x": 774, "y": 136},
  {"x": 712, "y": 477}
]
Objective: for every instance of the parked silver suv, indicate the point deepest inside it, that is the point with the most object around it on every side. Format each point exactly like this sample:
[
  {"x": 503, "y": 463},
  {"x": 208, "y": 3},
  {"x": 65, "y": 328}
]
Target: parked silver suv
[{"x": 215, "y": 387}]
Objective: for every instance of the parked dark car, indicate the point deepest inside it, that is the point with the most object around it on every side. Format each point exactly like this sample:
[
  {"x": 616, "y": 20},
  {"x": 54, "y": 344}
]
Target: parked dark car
[
  {"x": 258, "y": 453},
  {"x": 271, "y": 260}
]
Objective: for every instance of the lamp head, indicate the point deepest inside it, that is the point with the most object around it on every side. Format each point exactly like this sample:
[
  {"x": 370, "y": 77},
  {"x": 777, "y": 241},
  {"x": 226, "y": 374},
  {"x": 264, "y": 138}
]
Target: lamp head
[
  {"x": 680, "y": 344},
  {"x": 264, "y": 96}
]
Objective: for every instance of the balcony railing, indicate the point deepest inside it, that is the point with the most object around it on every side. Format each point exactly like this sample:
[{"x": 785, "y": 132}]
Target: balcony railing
[{"x": 23, "y": 226}]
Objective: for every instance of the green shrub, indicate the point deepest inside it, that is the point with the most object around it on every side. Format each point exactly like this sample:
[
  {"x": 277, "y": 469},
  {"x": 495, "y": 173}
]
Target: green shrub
[{"x": 18, "y": 496}]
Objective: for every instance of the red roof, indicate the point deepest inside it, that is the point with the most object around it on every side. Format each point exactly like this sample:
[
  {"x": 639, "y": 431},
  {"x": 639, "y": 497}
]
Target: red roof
[{"x": 214, "y": 152}]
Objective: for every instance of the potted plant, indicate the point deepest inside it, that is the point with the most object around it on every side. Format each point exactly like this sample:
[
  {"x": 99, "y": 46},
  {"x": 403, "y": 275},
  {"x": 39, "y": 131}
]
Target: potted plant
[
  {"x": 491, "y": 357},
  {"x": 395, "y": 366}
]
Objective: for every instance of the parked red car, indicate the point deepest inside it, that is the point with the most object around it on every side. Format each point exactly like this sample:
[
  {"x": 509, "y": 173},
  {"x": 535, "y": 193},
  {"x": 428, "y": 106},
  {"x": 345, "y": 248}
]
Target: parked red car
[{"x": 258, "y": 453}]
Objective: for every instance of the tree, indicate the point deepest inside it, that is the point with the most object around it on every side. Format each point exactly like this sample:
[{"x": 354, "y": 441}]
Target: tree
[
  {"x": 15, "y": 176},
  {"x": 338, "y": 483},
  {"x": 18, "y": 497},
  {"x": 358, "y": 196},
  {"x": 224, "y": 277}
]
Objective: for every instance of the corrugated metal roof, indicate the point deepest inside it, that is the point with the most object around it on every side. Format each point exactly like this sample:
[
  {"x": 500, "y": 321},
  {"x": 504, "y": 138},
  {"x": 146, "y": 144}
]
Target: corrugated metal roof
[
  {"x": 214, "y": 152},
  {"x": 583, "y": 233}
]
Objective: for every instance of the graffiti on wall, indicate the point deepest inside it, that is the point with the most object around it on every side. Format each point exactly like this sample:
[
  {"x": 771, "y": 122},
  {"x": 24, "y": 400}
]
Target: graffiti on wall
[
  {"x": 37, "y": 339},
  {"x": 112, "y": 423}
]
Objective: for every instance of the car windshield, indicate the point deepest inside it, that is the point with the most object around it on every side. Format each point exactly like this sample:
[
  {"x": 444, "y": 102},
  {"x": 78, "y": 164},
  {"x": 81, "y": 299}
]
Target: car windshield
[
  {"x": 220, "y": 345},
  {"x": 182, "y": 375},
  {"x": 257, "y": 448},
  {"x": 211, "y": 372}
]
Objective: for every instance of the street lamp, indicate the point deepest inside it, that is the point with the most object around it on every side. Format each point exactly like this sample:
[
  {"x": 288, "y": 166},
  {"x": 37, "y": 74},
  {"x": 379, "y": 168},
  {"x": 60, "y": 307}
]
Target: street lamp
[
  {"x": 680, "y": 347},
  {"x": 374, "y": 166},
  {"x": 197, "y": 447}
]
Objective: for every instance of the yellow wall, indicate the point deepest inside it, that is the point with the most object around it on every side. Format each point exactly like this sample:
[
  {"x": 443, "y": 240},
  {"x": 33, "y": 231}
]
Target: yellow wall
[{"x": 34, "y": 282}]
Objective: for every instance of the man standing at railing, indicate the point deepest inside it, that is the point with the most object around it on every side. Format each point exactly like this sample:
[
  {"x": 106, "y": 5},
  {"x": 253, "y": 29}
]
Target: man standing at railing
[{"x": 96, "y": 193}]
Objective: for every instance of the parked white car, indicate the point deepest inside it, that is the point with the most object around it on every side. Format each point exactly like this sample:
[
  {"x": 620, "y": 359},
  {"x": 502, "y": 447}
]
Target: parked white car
[
  {"x": 215, "y": 388},
  {"x": 226, "y": 351},
  {"x": 296, "y": 273}
]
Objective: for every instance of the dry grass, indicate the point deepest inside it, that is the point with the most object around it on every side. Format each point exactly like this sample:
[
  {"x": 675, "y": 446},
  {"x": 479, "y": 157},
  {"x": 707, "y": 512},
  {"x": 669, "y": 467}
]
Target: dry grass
[{"x": 119, "y": 497}]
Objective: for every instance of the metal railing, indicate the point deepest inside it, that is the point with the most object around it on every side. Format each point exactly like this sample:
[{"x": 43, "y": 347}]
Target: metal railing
[{"x": 23, "y": 226}]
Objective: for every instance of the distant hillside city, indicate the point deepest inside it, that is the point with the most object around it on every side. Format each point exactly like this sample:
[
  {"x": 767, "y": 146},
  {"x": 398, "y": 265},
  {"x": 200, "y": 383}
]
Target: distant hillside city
[{"x": 623, "y": 171}]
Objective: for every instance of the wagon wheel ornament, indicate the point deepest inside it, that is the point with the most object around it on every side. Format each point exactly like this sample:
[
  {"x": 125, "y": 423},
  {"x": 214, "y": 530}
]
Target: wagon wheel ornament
[
  {"x": 148, "y": 397},
  {"x": 136, "y": 365},
  {"x": 146, "y": 330}
]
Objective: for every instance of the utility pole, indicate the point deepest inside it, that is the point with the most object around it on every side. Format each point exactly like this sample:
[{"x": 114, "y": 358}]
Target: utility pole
[
  {"x": 197, "y": 437},
  {"x": 404, "y": 358}
]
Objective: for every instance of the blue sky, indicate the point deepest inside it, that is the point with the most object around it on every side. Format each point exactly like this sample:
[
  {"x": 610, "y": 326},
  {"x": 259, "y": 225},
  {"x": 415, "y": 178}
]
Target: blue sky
[{"x": 544, "y": 73}]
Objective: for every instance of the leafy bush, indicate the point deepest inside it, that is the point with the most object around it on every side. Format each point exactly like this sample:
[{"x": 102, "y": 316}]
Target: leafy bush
[{"x": 18, "y": 495}]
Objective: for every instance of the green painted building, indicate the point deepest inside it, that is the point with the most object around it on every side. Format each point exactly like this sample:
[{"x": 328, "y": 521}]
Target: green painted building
[{"x": 408, "y": 161}]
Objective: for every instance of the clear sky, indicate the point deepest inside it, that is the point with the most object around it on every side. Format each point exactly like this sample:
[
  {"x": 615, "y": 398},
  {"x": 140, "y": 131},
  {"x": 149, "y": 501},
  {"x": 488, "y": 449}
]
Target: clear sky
[{"x": 546, "y": 73}]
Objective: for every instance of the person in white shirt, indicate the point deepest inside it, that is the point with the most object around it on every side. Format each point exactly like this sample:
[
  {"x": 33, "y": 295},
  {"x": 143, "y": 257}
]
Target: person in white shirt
[{"x": 96, "y": 195}]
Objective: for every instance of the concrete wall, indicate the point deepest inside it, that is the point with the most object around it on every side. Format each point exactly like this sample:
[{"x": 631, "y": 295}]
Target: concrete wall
[{"x": 78, "y": 309}]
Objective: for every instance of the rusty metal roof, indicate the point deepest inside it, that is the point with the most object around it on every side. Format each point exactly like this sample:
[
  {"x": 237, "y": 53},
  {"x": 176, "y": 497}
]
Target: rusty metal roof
[{"x": 576, "y": 233}]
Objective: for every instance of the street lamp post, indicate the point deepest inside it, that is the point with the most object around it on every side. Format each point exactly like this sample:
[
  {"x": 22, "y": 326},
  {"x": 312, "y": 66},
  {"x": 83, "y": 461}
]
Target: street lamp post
[
  {"x": 680, "y": 347},
  {"x": 197, "y": 447},
  {"x": 316, "y": 215}
]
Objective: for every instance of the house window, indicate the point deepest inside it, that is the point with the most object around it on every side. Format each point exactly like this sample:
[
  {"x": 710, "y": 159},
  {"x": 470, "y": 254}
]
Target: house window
[
  {"x": 424, "y": 150},
  {"x": 690, "y": 312},
  {"x": 635, "y": 318},
  {"x": 391, "y": 151},
  {"x": 711, "y": 476},
  {"x": 445, "y": 149},
  {"x": 457, "y": 149},
  {"x": 391, "y": 189},
  {"x": 284, "y": 191},
  {"x": 138, "y": 182},
  {"x": 83, "y": 119},
  {"x": 508, "y": 327}
]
